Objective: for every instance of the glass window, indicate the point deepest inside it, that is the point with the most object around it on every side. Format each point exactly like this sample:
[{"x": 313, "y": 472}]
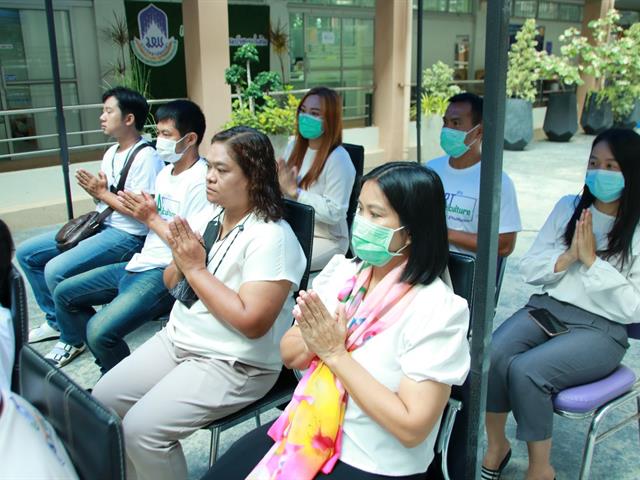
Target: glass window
[
  {"x": 570, "y": 12},
  {"x": 436, "y": 5},
  {"x": 524, "y": 8},
  {"x": 548, "y": 10},
  {"x": 460, "y": 6},
  {"x": 357, "y": 42}
]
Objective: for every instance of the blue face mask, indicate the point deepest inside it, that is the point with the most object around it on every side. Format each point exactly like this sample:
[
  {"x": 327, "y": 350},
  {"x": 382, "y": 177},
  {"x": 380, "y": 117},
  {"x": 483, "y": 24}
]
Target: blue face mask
[
  {"x": 452, "y": 141},
  {"x": 605, "y": 185}
]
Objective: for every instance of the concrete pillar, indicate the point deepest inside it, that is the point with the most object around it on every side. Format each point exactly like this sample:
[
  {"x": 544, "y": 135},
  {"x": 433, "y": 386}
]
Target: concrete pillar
[
  {"x": 392, "y": 76},
  {"x": 206, "y": 47},
  {"x": 593, "y": 10}
]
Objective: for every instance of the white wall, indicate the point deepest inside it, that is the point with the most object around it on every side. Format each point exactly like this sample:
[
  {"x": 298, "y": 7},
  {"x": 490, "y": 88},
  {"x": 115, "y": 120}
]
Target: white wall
[{"x": 439, "y": 37}]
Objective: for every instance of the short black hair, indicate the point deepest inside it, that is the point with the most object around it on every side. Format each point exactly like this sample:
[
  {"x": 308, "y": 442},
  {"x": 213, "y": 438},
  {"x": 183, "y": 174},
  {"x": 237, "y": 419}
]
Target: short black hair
[
  {"x": 186, "y": 115},
  {"x": 129, "y": 102},
  {"x": 6, "y": 254},
  {"x": 475, "y": 101},
  {"x": 417, "y": 196}
]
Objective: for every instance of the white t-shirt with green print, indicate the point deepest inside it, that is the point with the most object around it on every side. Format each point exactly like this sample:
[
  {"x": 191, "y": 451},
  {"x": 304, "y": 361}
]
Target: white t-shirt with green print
[
  {"x": 184, "y": 195},
  {"x": 462, "y": 196}
]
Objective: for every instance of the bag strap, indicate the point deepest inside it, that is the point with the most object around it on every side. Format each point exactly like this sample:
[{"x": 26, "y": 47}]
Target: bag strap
[{"x": 123, "y": 178}]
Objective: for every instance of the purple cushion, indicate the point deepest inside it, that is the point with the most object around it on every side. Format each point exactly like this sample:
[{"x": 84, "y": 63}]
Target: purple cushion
[{"x": 587, "y": 397}]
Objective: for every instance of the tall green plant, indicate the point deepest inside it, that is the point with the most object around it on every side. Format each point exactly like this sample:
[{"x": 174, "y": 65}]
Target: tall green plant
[
  {"x": 247, "y": 54},
  {"x": 438, "y": 88},
  {"x": 613, "y": 60},
  {"x": 525, "y": 63},
  {"x": 132, "y": 73}
]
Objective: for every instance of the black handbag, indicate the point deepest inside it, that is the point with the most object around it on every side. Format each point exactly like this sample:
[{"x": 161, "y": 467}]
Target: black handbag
[
  {"x": 87, "y": 225},
  {"x": 182, "y": 291}
]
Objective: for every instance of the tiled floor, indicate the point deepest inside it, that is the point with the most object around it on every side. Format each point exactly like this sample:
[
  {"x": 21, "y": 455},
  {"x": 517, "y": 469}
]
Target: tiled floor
[{"x": 542, "y": 174}]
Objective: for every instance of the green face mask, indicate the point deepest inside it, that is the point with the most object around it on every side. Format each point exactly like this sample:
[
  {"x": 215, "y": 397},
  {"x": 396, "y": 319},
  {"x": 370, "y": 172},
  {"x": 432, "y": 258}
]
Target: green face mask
[
  {"x": 370, "y": 242},
  {"x": 310, "y": 127}
]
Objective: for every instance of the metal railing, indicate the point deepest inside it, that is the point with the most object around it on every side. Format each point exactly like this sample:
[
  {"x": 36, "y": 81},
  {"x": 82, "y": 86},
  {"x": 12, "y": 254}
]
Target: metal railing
[
  {"x": 69, "y": 108},
  {"x": 368, "y": 91},
  {"x": 361, "y": 112}
]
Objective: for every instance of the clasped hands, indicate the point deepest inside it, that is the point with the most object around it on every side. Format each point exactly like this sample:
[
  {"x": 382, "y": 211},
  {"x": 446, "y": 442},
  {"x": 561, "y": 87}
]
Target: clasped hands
[
  {"x": 94, "y": 185},
  {"x": 583, "y": 244},
  {"x": 186, "y": 246},
  {"x": 288, "y": 179},
  {"x": 140, "y": 206},
  {"x": 323, "y": 334}
]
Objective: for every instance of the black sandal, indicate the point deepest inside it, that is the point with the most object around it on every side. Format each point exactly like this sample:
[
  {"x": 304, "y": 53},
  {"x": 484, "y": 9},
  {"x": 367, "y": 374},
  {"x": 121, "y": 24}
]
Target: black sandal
[{"x": 490, "y": 474}]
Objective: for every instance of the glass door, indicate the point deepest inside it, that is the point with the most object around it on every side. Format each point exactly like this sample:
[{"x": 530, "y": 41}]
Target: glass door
[{"x": 334, "y": 51}]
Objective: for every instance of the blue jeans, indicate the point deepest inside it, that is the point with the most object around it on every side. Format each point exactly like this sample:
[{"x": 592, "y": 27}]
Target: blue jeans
[
  {"x": 45, "y": 265},
  {"x": 134, "y": 299}
]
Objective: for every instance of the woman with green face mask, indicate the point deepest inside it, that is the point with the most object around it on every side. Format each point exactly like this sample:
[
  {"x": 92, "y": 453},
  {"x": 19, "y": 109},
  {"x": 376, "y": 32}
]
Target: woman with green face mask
[
  {"x": 382, "y": 338},
  {"x": 317, "y": 171}
]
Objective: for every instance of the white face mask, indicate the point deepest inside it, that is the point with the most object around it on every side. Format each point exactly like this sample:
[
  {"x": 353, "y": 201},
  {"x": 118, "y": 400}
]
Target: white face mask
[{"x": 166, "y": 149}]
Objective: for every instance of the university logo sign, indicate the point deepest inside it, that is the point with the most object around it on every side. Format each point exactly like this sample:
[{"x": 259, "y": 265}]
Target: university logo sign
[{"x": 154, "y": 47}]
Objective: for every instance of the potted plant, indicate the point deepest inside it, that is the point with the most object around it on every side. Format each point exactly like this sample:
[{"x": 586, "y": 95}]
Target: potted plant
[
  {"x": 437, "y": 88},
  {"x": 622, "y": 87},
  {"x": 522, "y": 74},
  {"x": 612, "y": 60},
  {"x": 561, "y": 117},
  {"x": 254, "y": 105}
]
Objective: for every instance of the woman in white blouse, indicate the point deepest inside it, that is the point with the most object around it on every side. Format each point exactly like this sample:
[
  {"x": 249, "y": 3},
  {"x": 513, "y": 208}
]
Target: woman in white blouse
[
  {"x": 219, "y": 351},
  {"x": 317, "y": 171},
  {"x": 585, "y": 258},
  {"x": 382, "y": 339}
]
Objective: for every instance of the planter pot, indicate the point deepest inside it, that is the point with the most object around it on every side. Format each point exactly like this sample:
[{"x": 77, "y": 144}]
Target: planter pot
[
  {"x": 596, "y": 117},
  {"x": 632, "y": 120},
  {"x": 279, "y": 143},
  {"x": 561, "y": 119},
  {"x": 518, "y": 124},
  {"x": 430, "y": 128}
]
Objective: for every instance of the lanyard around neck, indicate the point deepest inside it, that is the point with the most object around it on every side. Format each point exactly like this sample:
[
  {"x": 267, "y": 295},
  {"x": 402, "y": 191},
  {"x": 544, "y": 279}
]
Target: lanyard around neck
[{"x": 113, "y": 160}]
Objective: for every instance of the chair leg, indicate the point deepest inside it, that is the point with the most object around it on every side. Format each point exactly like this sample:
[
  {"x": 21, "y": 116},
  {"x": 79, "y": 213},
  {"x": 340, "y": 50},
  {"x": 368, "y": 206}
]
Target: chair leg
[
  {"x": 638, "y": 404},
  {"x": 215, "y": 442},
  {"x": 589, "y": 447},
  {"x": 257, "y": 417}
]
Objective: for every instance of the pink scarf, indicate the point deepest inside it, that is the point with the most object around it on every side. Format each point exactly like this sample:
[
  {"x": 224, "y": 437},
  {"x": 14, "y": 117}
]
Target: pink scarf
[{"x": 308, "y": 434}]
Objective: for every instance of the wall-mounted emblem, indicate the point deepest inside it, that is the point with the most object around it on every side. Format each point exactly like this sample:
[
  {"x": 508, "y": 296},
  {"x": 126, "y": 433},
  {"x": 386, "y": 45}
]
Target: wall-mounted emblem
[{"x": 154, "y": 47}]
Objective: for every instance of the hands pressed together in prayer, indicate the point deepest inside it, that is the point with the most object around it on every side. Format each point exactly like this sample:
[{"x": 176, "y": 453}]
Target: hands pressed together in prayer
[
  {"x": 288, "y": 179},
  {"x": 583, "y": 244},
  {"x": 141, "y": 206},
  {"x": 187, "y": 246},
  {"x": 96, "y": 186},
  {"x": 323, "y": 334}
]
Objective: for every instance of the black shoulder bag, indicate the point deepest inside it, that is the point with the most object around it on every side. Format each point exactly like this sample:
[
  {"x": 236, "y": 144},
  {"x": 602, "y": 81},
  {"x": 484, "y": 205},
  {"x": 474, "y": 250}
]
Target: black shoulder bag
[{"x": 87, "y": 225}]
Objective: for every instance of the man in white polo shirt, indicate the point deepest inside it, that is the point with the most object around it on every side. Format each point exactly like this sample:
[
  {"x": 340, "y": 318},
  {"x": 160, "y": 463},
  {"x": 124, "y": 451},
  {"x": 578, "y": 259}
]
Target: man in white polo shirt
[
  {"x": 459, "y": 170},
  {"x": 135, "y": 289}
]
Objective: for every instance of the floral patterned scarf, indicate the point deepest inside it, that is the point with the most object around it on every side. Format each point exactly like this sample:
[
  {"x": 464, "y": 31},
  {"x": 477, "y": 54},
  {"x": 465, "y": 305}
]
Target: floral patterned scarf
[{"x": 308, "y": 434}]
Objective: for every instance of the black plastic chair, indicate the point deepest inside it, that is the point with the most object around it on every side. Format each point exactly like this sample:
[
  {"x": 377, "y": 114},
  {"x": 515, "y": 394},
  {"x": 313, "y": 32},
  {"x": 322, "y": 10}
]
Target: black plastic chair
[
  {"x": 20, "y": 319},
  {"x": 301, "y": 219},
  {"x": 91, "y": 434},
  {"x": 462, "y": 271},
  {"x": 356, "y": 152}
]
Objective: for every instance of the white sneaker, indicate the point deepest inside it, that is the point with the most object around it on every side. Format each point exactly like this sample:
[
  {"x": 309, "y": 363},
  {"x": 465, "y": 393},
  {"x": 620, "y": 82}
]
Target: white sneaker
[
  {"x": 63, "y": 353},
  {"x": 42, "y": 333}
]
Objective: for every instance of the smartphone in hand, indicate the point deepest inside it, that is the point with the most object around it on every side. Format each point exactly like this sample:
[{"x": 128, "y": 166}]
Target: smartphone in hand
[{"x": 548, "y": 322}]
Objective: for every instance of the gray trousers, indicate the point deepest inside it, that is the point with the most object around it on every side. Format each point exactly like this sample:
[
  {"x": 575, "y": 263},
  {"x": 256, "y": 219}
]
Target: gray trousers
[
  {"x": 163, "y": 394},
  {"x": 528, "y": 368}
]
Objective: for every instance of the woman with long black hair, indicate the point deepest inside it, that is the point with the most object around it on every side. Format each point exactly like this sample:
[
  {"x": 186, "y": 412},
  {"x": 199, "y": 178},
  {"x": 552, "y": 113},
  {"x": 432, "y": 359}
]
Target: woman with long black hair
[{"x": 585, "y": 258}]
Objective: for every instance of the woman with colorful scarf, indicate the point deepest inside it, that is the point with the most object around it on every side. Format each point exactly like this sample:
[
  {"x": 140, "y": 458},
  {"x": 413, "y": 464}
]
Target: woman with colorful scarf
[{"x": 381, "y": 339}]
